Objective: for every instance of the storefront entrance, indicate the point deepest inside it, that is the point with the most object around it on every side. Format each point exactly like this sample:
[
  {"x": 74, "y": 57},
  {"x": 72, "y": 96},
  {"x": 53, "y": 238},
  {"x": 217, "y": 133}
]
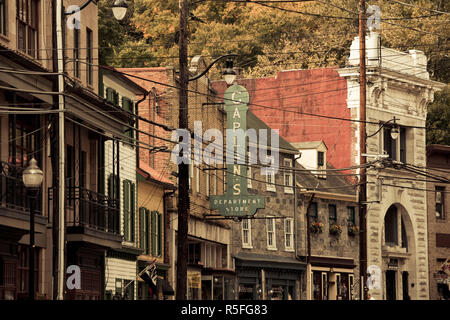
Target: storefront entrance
[{"x": 390, "y": 285}]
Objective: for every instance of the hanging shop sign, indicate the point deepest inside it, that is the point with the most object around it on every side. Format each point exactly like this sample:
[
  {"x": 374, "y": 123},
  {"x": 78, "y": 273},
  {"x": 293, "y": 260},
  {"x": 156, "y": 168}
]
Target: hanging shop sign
[{"x": 236, "y": 202}]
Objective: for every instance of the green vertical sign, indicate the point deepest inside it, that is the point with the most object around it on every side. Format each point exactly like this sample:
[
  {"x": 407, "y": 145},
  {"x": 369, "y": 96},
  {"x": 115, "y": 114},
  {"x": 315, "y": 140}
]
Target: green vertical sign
[{"x": 236, "y": 202}]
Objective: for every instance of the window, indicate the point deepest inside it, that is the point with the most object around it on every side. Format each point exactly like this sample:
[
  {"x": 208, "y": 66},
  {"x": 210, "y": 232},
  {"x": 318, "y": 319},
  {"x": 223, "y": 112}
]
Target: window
[
  {"x": 145, "y": 232},
  {"x": 313, "y": 212},
  {"x": 128, "y": 210},
  {"x": 351, "y": 216},
  {"x": 89, "y": 56},
  {"x": 76, "y": 52},
  {"x": 214, "y": 182},
  {"x": 3, "y": 17},
  {"x": 288, "y": 180},
  {"x": 27, "y": 26},
  {"x": 194, "y": 253},
  {"x": 270, "y": 180},
  {"x": 208, "y": 173},
  {"x": 157, "y": 236},
  {"x": 112, "y": 96},
  {"x": 321, "y": 164},
  {"x": 127, "y": 105},
  {"x": 391, "y": 226},
  {"x": 440, "y": 191},
  {"x": 289, "y": 235},
  {"x": 332, "y": 214},
  {"x": 246, "y": 233},
  {"x": 191, "y": 174},
  {"x": 197, "y": 179},
  {"x": 271, "y": 241},
  {"x": 395, "y": 148},
  {"x": 23, "y": 140},
  {"x": 320, "y": 158}
]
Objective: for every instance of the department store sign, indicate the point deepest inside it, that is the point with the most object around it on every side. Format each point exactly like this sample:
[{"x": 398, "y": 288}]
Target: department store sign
[{"x": 236, "y": 202}]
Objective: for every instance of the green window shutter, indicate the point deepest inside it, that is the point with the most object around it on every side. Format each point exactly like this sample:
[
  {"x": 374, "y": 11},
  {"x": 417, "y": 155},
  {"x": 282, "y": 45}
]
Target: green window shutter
[
  {"x": 126, "y": 213},
  {"x": 109, "y": 96},
  {"x": 160, "y": 236},
  {"x": 133, "y": 210},
  {"x": 116, "y": 97},
  {"x": 154, "y": 222},
  {"x": 147, "y": 231},
  {"x": 142, "y": 228}
]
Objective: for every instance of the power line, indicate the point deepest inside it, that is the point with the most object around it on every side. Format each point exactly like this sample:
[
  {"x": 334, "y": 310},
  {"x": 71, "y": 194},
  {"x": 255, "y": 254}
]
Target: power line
[{"x": 416, "y": 6}]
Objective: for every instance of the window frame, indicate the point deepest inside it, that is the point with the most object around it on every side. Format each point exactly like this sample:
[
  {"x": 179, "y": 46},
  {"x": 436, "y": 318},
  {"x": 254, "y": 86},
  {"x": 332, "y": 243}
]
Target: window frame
[
  {"x": 29, "y": 20},
  {"x": 314, "y": 206},
  {"x": 288, "y": 185},
  {"x": 89, "y": 56},
  {"x": 3, "y": 18},
  {"x": 332, "y": 220},
  {"x": 271, "y": 222},
  {"x": 248, "y": 244},
  {"x": 270, "y": 186},
  {"x": 289, "y": 235},
  {"x": 76, "y": 52},
  {"x": 351, "y": 215},
  {"x": 441, "y": 191}
]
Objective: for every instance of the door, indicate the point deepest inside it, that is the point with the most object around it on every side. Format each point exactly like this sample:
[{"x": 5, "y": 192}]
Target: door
[
  {"x": 405, "y": 285},
  {"x": 390, "y": 285}
]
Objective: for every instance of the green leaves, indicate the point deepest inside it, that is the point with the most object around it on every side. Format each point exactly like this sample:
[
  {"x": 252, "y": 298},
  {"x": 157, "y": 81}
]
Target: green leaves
[{"x": 438, "y": 119}]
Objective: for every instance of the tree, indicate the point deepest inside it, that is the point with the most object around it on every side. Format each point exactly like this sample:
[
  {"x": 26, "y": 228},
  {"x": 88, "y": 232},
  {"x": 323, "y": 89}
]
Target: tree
[
  {"x": 270, "y": 36},
  {"x": 438, "y": 118}
]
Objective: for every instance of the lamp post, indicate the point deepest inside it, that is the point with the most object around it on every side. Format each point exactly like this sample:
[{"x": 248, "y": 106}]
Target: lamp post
[{"x": 32, "y": 178}]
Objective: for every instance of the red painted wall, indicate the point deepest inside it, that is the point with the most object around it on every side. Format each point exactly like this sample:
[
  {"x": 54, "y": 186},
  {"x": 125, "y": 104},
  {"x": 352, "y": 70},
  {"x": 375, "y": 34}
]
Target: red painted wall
[{"x": 315, "y": 91}]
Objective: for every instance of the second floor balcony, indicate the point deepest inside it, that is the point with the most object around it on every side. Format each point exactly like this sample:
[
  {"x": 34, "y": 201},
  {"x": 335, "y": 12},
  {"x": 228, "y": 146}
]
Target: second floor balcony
[
  {"x": 14, "y": 205},
  {"x": 90, "y": 216}
]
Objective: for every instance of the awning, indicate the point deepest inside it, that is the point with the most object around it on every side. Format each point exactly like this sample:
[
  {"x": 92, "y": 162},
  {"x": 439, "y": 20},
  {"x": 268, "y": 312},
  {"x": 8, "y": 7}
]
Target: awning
[
  {"x": 332, "y": 262},
  {"x": 166, "y": 288},
  {"x": 267, "y": 261}
]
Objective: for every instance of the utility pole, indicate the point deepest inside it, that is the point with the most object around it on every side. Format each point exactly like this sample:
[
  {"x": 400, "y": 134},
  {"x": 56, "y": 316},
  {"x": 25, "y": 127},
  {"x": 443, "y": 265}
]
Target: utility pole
[
  {"x": 183, "y": 169},
  {"x": 61, "y": 150},
  {"x": 362, "y": 149}
]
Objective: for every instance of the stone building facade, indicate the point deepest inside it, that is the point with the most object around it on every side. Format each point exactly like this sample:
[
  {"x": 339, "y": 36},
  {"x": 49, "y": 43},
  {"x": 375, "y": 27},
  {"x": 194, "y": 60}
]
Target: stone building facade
[
  {"x": 265, "y": 246},
  {"x": 438, "y": 165},
  {"x": 398, "y": 88}
]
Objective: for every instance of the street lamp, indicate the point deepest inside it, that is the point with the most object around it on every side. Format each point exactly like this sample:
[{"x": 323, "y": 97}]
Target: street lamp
[
  {"x": 229, "y": 74},
  {"x": 395, "y": 131},
  {"x": 119, "y": 9},
  {"x": 32, "y": 178}
]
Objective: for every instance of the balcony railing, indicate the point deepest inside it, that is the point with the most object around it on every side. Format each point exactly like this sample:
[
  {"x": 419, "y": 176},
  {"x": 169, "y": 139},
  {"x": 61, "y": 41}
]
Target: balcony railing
[
  {"x": 87, "y": 208},
  {"x": 13, "y": 193}
]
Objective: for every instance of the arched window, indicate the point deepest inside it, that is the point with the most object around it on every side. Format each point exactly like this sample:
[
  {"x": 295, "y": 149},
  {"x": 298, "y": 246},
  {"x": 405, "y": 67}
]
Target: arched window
[{"x": 391, "y": 226}]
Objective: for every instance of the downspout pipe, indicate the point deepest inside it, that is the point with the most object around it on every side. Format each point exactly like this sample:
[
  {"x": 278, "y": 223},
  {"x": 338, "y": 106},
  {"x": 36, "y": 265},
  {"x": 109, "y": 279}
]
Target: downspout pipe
[{"x": 137, "y": 125}]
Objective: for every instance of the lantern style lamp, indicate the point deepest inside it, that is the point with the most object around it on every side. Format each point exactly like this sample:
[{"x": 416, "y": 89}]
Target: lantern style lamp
[
  {"x": 119, "y": 9},
  {"x": 229, "y": 74},
  {"x": 32, "y": 176}
]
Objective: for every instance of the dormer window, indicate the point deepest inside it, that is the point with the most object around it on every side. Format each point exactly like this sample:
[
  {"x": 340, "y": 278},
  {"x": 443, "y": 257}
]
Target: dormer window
[{"x": 313, "y": 157}]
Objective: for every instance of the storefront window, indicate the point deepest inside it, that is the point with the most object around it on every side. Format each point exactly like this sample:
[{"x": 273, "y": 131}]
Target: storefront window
[{"x": 246, "y": 291}]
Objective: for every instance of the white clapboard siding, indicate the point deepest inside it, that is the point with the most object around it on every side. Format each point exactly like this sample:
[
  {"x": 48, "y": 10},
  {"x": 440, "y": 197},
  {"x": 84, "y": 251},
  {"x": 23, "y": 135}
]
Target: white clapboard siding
[
  {"x": 119, "y": 269},
  {"x": 127, "y": 156}
]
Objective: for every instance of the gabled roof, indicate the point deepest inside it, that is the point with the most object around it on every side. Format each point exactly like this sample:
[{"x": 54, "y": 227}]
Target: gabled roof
[
  {"x": 334, "y": 183},
  {"x": 253, "y": 122},
  {"x": 308, "y": 144}
]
